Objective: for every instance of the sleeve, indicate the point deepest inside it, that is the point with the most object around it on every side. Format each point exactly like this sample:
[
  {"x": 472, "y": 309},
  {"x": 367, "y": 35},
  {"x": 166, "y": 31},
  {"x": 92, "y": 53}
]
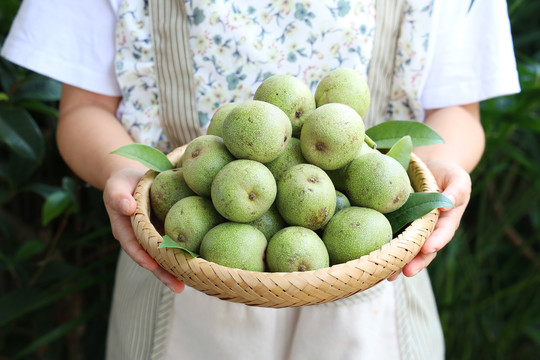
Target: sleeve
[
  {"x": 473, "y": 56},
  {"x": 70, "y": 41}
]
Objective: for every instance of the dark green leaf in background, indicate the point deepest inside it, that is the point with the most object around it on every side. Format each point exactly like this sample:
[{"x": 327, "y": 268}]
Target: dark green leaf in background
[
  {"x": 39, "y": 107},
  {"x": 146, "y": 155},
  {"x": 8, "y": 9},
  {"x": 61, "y": 330},
  {"x": 37, "y": 88},
  {"x": 388, "y": 133},
  {"x": 16, "y": 300},
  {"x": 55, "y": 205},
  {"x": 59, "y": 202},
  {"x": 170, "y": 243},
  {"x": 41, "y": 189},
  {"x": 20, "y": 133},
  {"x": 417, "y": 205},
  {"x": 16, "y": 170},
  {"x": 401, "y": 151},
  {"x": 28, "y": 249},
  {"x": 8, "y": 75}
]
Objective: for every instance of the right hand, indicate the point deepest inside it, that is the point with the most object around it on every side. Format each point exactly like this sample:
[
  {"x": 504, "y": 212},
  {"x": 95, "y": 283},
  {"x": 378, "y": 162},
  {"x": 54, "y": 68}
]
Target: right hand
[{"x": 120, "y": 205}]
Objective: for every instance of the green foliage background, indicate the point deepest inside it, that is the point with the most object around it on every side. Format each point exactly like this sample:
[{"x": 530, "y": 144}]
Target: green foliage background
[{"x": 57, "y": 257}]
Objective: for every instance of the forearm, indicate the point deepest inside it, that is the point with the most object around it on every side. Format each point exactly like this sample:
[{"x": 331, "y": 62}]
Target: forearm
[
  {"x": 87, "y": 133},
  {"x": 462, "y": 132}
]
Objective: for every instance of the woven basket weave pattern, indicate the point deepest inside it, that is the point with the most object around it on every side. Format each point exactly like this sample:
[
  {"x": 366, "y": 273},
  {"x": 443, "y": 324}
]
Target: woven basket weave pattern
[{"x": 280, "y": 290}]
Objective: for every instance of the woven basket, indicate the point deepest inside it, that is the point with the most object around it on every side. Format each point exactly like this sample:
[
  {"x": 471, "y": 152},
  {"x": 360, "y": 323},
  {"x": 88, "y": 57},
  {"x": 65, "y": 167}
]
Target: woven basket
[{"x": 279, "y": 290}]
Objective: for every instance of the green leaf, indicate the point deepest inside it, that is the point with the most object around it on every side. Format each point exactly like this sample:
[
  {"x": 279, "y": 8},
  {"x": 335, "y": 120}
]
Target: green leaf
[
  {"x": 8, "y": 9},
  {"x": 386, "y": 134},
  {"x": 41, "y": 189},
  {"x": 6, "y": 263},
  {"x": 39, "y": 107},
  {"x": 69, "y": 185},
  {"x": 12, "y": 303},
  {"x": 28, "y": 249},
  {"x": 16, "y": 170},
  {"x": 38, "y": 87},
  {"x": 170, "y": 243},
  {"x": 24, "y": 301},
  {"x": 56, "y": 204},
  {"x": 417, "y": 205},
  {"x": 401, "y": 151},
  {"x": 20, "y": 133},
  {"x": 59, "y": 332},
  {"x": 146, "y": 155}
]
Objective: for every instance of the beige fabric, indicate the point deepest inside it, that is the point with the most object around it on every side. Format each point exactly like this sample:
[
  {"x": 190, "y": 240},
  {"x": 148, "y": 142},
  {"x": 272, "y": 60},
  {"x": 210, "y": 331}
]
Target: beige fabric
[
  {"x": 176, "y": 85},
  {"x": 365, "y": 330},
  {"x": 418, "y": 326},
  {"x": 136, "y": 300},
  {"x": 388, "y": 17}
]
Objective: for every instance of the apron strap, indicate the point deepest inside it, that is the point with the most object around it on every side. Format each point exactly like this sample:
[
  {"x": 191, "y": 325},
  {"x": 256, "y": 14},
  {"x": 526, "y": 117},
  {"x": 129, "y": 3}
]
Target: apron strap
[
  {"x": 174, "y": 68},
  {"x": 389, "y": 15}
]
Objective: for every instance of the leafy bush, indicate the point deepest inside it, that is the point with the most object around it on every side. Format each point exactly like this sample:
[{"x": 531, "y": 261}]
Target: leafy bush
[
  {"x": 486, "y": 279},
  {"x": 57, "y": 259}
]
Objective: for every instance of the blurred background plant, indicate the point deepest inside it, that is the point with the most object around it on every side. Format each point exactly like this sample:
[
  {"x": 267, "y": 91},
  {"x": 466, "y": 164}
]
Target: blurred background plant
[
  {"x": 486, "y": 282},
  {"x": 57, "y": 260},
  {"x": 57, "y": 257}
]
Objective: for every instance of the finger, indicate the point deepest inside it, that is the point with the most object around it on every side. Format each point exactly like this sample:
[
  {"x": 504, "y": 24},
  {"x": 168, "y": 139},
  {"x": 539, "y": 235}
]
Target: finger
[
  {"x": 118, "y": 194},
  {"x": 121, "y": 226},
  {"x": 134, "y": 250},
  {"x": 418, "y": 263},
  {"x": 118, "y": 198},
  {"x": 457, "y": 187},
  {"x": 169, "y": 280},
  {"x": 394, "y": 276},
  {"x": 120, "y": 204},
  {"x": 123, "y": 232},
  {"x": 139, "y": 255},
  {"x": 444, "y": 231}
]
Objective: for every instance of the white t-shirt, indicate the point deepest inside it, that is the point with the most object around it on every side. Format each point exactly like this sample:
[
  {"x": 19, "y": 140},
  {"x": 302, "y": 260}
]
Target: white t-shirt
[{"x": 472, "y": 60}]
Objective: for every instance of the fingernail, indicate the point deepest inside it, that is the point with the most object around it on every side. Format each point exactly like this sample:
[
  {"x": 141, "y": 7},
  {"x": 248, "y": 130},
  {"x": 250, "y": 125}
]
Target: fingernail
[
  {"x": 175, "y": 289},
  {"x": 430, "y": 251},
  {"x": 394, "y": 276}
]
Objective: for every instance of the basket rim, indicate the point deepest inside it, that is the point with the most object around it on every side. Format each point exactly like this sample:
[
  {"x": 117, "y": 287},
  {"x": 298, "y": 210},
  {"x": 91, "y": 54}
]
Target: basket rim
[{"x": 166, "y": 257}]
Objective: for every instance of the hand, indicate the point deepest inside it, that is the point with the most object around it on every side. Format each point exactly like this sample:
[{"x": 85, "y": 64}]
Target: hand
[
  {"x": 120, "y": 205},
  {"x": 455, "y": 183}
]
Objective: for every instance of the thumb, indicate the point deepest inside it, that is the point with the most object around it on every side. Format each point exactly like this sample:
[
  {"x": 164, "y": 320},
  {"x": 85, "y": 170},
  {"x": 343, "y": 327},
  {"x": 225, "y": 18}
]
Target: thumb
[
  {"x": 118, "y": 194},
  {"x": 120, "y": 203},
  {"x": 127, "y": 205}
]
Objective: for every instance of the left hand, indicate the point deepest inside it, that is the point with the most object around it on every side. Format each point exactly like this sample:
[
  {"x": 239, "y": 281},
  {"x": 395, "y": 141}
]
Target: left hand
[{"x": 455, "y": 183}]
